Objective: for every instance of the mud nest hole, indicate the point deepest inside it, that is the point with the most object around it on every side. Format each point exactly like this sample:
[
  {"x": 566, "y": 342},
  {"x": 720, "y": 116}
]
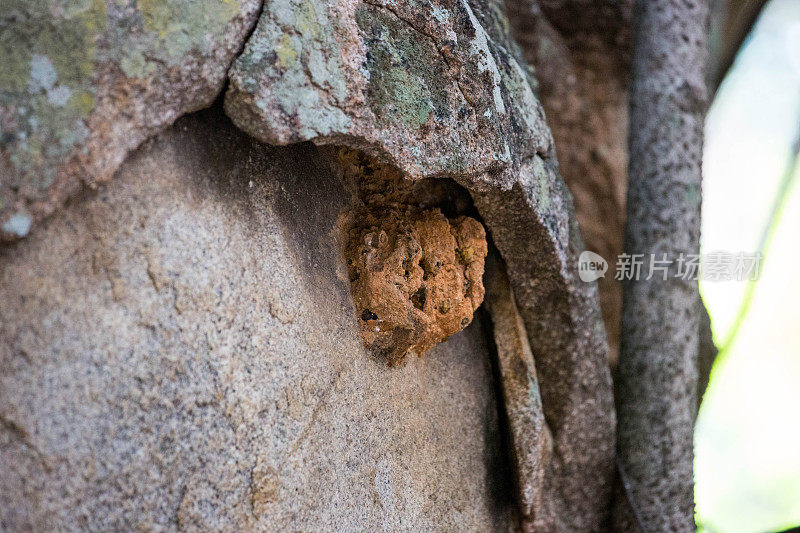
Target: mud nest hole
[{"x": 414, "y": 259}]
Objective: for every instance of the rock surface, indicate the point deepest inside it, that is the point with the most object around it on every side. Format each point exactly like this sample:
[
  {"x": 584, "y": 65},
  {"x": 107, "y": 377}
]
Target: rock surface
[
  {"x": 529, "y": 439},
  {"x": 85, "y": 82},
  {"x": 420, "y": 85},
  {"x": 225, "y": 306},
  {"x": 534, "y": 229},
  {"x": 179, "y": 351},
  {"x": 458, "y": 104},
  {"x": 581, "y": 55}
]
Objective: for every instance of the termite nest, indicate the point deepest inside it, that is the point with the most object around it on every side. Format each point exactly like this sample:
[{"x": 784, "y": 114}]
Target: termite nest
[{"x": 414, "y": 260}]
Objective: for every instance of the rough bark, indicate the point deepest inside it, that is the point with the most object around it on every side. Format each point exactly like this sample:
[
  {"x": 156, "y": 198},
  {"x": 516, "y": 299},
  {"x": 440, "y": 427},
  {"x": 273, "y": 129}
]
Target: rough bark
[{"x": 657, "y": 375}]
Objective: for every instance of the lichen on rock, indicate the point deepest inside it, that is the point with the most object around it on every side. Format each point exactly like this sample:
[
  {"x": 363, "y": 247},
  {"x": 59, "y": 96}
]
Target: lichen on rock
[
  {"x": 415, "y": 274},
  {"x": 84, "y": 82},
  {"x": 422, "y": 85}
]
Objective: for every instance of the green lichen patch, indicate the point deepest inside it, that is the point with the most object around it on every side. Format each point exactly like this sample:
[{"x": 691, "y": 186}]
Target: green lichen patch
[
  {"x": 45, "y": 83},
  {"x": 293, "y": 67},
  {"x": 143, "y": 61},
  {"x": 50, "y": 52},
  {"x": 407, "y": 75},
  {"x": 180, "y": 26},
  {"x": 421, "y": 83}
]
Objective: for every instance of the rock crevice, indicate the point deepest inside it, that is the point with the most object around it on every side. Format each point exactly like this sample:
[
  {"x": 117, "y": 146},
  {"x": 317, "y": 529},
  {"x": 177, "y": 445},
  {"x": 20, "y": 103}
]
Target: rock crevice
[{"x": 415, "y": 274}]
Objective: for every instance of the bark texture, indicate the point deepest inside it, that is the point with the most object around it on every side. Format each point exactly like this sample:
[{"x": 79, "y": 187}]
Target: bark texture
[{"x": 657, "y": 374}]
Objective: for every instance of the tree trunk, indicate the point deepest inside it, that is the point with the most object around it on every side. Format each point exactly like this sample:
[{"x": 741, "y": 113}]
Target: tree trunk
[{"x": 657, "y": 374}]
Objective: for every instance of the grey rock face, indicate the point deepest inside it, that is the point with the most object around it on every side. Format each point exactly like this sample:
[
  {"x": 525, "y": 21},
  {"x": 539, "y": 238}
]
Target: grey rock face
[
  {"x": 179, "y": 351},
  {"x": 85, "y": 82},
  {"x": 530, "y": 441},
  {"x": 437, "y": 89},
  {"x": 535, "y": 231},
  {"x": 421, "y": 85},
  {"x": 581, "y": 55}
]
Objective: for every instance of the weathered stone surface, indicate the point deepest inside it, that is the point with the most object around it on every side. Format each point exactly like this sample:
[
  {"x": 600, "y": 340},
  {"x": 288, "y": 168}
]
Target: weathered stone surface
[
  {"x": 450, "y": 108},
  {"x": 228, "y": 373},
  {"x": 84, "y": 82},
  {"x": 581, "y": 55},
  {"x": 530, "y": 441},
  {"x": 421, "y": 85},
  {"x": 534, "y": 228},
  {"x": 179, "y": 350}
]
